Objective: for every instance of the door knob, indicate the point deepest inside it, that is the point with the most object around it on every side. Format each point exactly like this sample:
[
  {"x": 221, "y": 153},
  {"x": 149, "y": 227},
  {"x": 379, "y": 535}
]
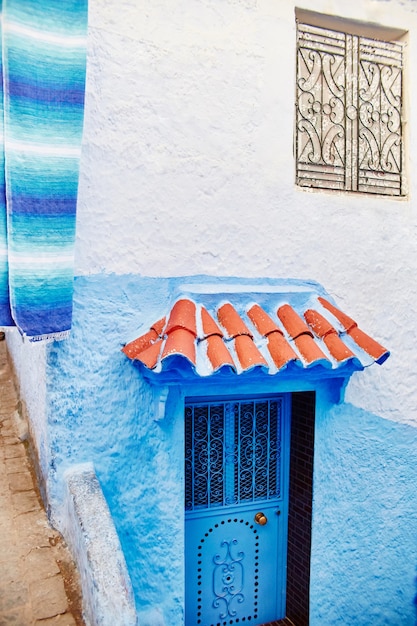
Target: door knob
[{"x": 261, "y": 519}]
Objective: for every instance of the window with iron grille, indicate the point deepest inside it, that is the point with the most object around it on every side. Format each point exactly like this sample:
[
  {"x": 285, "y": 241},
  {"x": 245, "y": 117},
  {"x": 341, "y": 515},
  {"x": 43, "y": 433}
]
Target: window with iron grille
[{"x": 349, "y": 101}]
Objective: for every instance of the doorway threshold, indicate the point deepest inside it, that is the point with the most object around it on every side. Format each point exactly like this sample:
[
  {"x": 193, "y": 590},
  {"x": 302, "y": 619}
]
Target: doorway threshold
[{"x": 280, "y": 622}]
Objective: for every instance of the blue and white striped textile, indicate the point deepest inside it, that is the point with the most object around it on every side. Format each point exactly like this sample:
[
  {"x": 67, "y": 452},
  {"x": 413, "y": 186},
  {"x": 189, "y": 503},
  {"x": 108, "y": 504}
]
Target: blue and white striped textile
[{"x": 41, "y": 121}]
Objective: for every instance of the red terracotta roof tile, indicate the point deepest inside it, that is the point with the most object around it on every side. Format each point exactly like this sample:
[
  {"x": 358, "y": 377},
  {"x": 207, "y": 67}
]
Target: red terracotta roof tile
[
  {"x": 180, "y": 342},
  {"x": 248, "y": 354},
  {"x": 278, "y": 347},
  {"x": 159, "y": 326},
  {"x": 150, "y": 356},
  {"x": 192, "y": 330},
  {"x": 293, "y": 323},
  {"x": 182, "y": 316},
  {"x": 261, "y": 320},
  {"x": 309, "y": 350},
  {"x": 329, "y": 334},
  {"x": 230, "y": 319},
  {"x": 217, "y": 352},
  {"x": 337, "y": 348},
  {"x": 318, "y": 323},
  {"x": 301, "y": 334},
  {"x": 280, "y": 350},
  {"x": 209, "y": 325},
  {"x": 347, "y": 322},
  {"x": 369, "y": 345},
  {"x": 134, "y": 348}
]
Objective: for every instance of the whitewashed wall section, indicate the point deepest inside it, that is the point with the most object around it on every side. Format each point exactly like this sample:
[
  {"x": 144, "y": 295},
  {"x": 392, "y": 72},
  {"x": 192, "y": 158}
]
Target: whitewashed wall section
[
  {"x": 29, "y": 362},
  {"x": 188, "y": 167}
]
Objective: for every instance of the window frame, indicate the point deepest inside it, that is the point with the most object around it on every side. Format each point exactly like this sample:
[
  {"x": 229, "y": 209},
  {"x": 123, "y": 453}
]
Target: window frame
[{"x": 343, "y": 141}]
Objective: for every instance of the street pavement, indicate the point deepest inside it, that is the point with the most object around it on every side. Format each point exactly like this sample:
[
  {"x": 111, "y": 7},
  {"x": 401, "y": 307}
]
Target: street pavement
[{"x": 39, "y": 585}]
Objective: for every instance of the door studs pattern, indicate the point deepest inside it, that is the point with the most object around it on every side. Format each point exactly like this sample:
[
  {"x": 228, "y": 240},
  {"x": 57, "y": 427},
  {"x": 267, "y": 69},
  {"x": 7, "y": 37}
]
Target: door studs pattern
[{"x": 228, "y": 576}]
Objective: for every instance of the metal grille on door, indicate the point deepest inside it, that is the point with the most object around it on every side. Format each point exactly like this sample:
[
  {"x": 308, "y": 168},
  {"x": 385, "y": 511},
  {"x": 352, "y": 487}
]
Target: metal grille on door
[{"x": 235, "y": 484}]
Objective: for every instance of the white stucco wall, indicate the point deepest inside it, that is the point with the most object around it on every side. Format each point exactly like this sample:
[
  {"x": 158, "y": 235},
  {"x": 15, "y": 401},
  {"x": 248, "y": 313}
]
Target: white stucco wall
[
  {"x": 29, "y": 362},
  {"x": 187, "y": 167}
]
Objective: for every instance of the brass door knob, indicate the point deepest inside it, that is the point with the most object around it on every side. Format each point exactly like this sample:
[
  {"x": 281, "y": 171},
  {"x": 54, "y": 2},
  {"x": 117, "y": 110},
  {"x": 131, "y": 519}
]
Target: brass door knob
[{"x": 261, "y": 519}]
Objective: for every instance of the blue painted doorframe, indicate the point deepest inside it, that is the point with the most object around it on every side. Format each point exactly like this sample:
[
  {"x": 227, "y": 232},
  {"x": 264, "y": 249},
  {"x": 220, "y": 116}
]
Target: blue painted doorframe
[{"x": 236, "y": 509}]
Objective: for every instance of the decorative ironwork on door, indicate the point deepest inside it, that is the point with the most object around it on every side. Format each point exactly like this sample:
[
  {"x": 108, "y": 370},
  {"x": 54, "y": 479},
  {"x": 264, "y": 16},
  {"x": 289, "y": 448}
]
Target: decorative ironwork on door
[
  {"x": 349, "y": 112},
  {"x": 232, "y": 453},
  {"x": 236, "y": 510}
]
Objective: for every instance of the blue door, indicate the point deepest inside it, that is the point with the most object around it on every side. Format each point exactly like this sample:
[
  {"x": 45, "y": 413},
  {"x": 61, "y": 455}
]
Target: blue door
[{"x": 236, "y": 510}]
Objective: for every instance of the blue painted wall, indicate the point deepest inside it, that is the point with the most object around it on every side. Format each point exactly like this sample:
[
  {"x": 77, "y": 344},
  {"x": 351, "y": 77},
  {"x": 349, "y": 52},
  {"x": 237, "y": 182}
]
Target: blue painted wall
[
  {"x": 364, "y": 558},
  {"x": 364, "y": 554}
]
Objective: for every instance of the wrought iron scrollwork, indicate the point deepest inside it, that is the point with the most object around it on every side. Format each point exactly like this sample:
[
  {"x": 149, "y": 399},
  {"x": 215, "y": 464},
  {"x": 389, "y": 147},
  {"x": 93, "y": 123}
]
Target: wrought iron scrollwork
[
  {"x": 349, "y": 96},
  {"x": 204, "y": 455},
  {"x": 228, "y": 579},
  {"x": 232, "y": 452},
  {"x": 257, "y": 439}
]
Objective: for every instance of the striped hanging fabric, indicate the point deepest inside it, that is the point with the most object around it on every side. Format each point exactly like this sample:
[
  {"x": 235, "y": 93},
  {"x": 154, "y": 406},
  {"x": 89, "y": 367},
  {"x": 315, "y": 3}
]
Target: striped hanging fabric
[{"x": 42, "y": 100}]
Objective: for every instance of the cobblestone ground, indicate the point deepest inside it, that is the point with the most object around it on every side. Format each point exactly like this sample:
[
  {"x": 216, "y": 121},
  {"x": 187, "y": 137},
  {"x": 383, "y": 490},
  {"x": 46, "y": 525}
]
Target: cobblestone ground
[{"x": 38, "y": 581}]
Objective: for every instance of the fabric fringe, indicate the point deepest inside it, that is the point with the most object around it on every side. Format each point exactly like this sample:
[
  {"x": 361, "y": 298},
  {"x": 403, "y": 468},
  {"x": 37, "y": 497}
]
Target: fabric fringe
[{"x": 49, "y": 338}]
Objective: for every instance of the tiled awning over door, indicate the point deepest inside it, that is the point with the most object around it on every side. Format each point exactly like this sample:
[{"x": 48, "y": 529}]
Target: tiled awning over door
[{"x": 238, "y": 337}]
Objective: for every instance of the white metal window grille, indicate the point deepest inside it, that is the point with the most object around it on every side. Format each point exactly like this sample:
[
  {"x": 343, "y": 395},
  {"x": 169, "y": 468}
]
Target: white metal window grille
[{"x": 349, "y": 112}]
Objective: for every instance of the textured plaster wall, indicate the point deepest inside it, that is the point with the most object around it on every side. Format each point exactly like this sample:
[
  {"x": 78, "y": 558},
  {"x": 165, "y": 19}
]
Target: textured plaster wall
[
  {"x": 107, "y": 590},
  {"x": 364, "y": 553},
  {"x": 29, "y": 362},
  {"x": 188, "y": 167},
  {"x": 100, "y": 411},
  {"x": 364, "y": 556}
]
